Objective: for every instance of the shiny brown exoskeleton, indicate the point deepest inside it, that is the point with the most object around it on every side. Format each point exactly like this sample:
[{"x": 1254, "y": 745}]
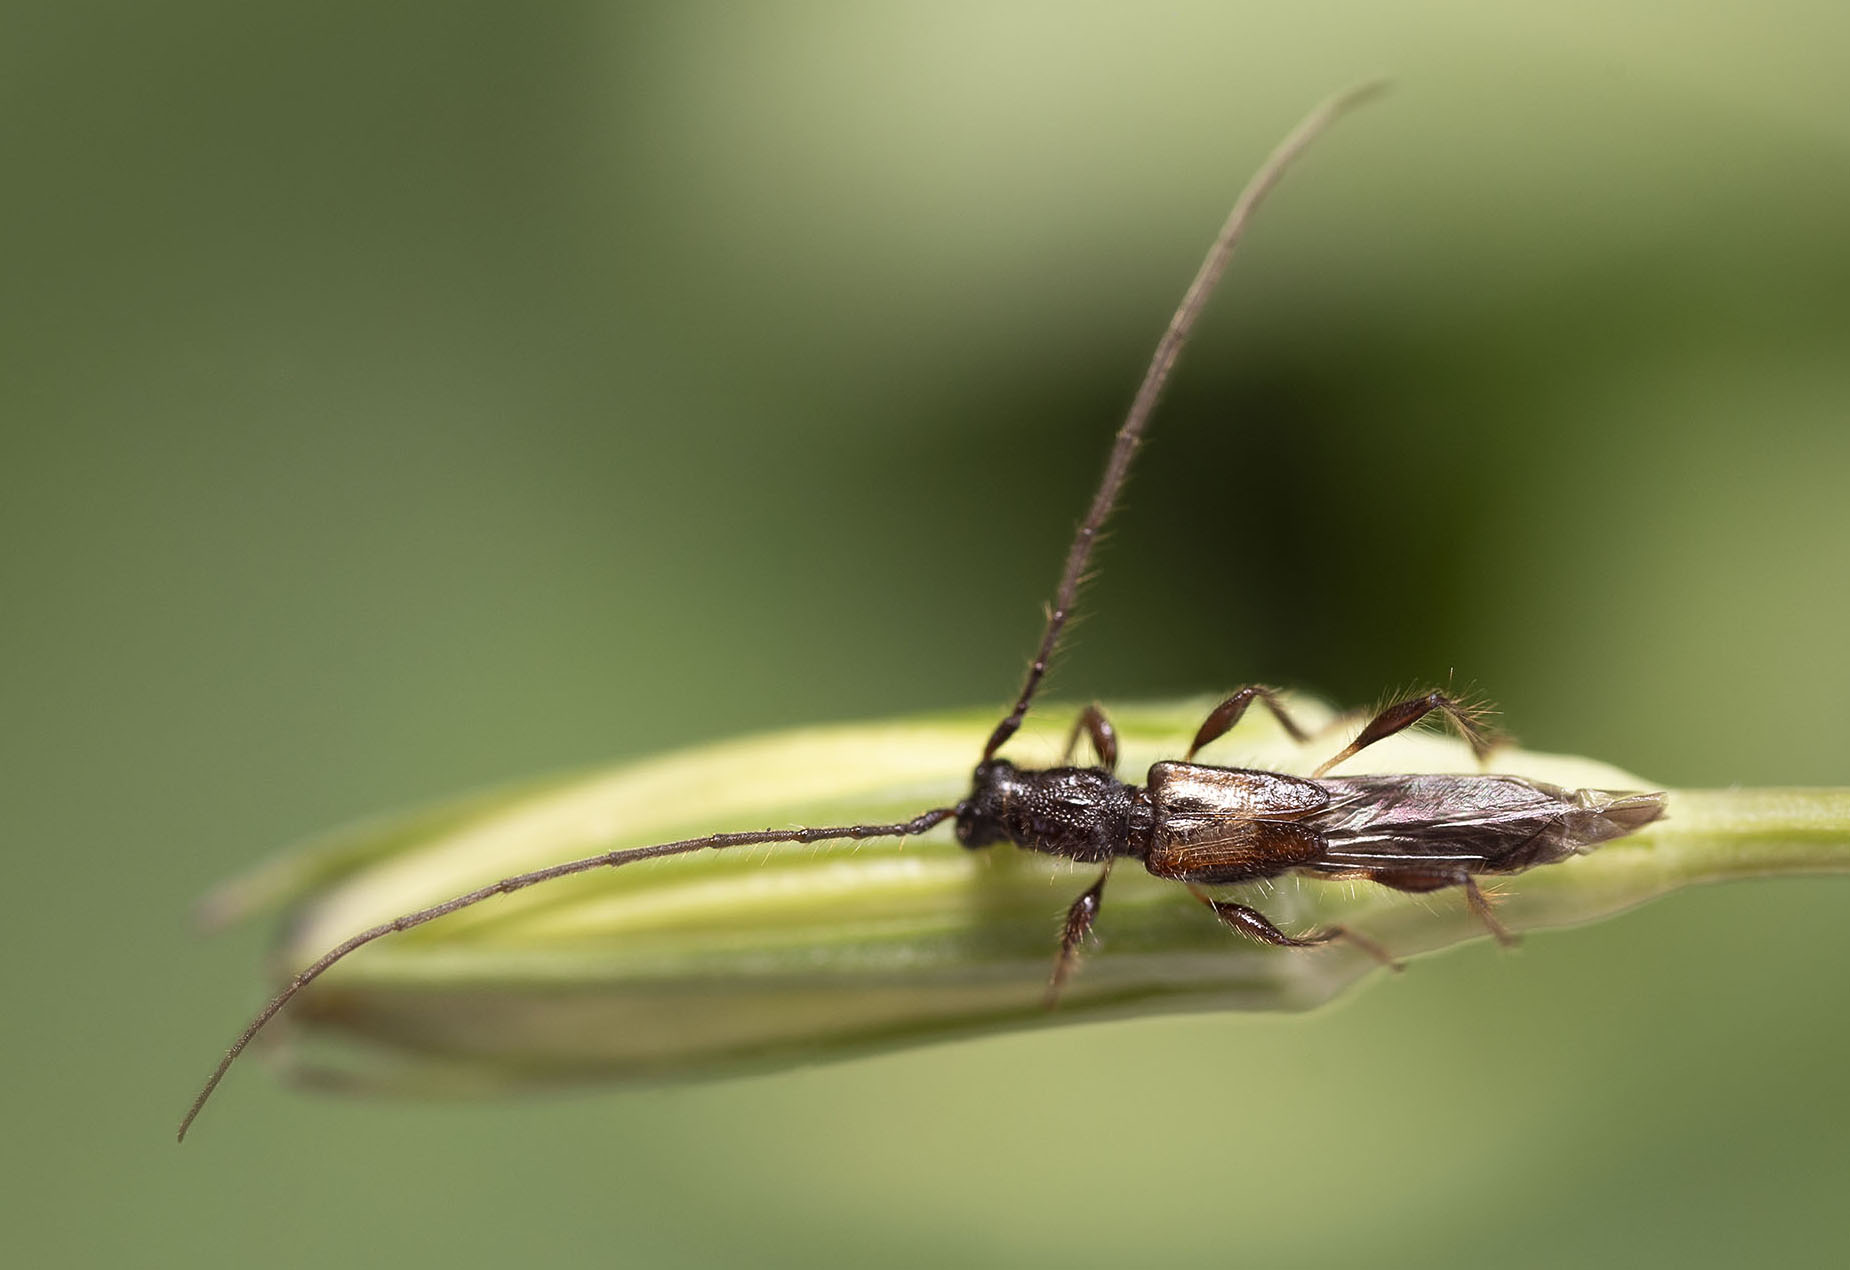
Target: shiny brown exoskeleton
[
  {"x": 1209, "y": 826},
  {"x": 1197, "y": 824}
]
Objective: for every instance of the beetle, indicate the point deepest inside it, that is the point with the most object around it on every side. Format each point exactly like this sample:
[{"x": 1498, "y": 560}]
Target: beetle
[
  {"x": 1211, "y": 826},
  {"x": 1198, "y": 824}
]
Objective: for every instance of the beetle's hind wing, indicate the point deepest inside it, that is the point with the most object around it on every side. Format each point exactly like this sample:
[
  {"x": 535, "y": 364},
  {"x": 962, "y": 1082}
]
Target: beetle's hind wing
[
  {"x": 1613, "y": 813},
  {"x": 1435, "y": 824}
]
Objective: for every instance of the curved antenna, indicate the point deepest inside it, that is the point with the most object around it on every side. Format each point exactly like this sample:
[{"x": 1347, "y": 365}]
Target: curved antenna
[
  {"x": 520, "y": 881},
  {"x": 1130, "y": 435}
]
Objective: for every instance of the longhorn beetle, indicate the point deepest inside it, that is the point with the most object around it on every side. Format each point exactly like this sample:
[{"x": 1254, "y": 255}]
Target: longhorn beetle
[{"x": 1200, "y": 825}]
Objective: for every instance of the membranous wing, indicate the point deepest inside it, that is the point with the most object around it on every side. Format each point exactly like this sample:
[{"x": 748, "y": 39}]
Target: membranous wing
[{"x": 1468, "y": 824}]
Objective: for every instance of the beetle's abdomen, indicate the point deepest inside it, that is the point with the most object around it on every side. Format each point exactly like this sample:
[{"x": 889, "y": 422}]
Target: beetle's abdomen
[{"x": 1477, "y": 824}]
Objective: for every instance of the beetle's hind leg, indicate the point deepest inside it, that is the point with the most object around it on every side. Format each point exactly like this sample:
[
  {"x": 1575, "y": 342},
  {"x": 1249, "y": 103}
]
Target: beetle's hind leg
[
  {"x": 1421, "y": 883},
  {"x": 1256, "y": 925},
  {"x": 1400, "y": 716},
  {"x": 1480, "y": 904}
]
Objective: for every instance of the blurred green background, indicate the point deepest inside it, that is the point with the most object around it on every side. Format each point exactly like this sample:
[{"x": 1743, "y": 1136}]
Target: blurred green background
[{"x": 401, "y": 399}]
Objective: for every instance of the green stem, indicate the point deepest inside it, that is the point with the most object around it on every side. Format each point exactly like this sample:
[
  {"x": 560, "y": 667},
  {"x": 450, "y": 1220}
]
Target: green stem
[{"x": 705, "y": 963}]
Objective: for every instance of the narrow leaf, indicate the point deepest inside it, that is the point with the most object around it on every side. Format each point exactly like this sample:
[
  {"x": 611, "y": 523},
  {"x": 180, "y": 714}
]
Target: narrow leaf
[{"x": 707, "y": 963}]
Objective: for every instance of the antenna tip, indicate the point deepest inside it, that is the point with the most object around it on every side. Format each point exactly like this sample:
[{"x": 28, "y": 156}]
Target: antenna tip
[{"x": 1359, "y": 94}]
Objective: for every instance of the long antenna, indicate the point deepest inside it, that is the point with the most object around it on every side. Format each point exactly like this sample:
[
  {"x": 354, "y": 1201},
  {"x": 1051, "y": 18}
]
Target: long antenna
[
  {"x": 520, "y": 881},
  {"x": 1130, "y": 435}
]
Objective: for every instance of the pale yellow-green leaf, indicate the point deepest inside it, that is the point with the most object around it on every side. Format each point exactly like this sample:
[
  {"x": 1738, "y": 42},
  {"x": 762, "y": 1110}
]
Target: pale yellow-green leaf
[{"x": 701, "y": 964}]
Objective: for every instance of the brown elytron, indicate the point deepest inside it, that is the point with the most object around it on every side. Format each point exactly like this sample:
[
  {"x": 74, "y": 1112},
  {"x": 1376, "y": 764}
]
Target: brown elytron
[{"x": 1198, "y": 824}]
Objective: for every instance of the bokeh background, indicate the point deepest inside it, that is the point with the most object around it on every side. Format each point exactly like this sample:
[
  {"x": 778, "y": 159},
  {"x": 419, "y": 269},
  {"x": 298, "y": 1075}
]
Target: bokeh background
[{"x": 401, "y": 399}]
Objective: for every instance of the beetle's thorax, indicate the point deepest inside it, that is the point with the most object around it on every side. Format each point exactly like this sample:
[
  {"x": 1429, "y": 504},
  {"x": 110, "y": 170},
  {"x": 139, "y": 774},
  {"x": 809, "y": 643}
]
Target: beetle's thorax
[{"x": 1082, "y": 813}]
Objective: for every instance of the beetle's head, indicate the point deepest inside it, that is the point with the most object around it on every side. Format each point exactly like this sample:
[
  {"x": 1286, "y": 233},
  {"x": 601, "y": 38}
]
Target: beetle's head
[{"x": 983, "y": 816}]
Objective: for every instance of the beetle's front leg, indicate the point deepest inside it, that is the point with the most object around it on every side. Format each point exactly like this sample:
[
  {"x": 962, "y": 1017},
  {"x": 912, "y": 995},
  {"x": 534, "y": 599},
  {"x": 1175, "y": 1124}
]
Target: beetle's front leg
[
  {"x": 1093, "y": 723},
  {"x": 1079, "y": 919}
]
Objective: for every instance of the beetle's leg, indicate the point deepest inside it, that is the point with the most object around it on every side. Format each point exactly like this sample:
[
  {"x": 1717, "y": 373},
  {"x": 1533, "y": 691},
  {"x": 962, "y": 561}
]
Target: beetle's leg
[
  {"x": 1093, "y": 723},
  {"x": 1253, "y": 923},
  {"x": 1480, "y": 904},
  {"x": 1420, "y": 883},
  {"x": 1404, "y": 714},
  {"x": 1079, "y": 920},
  {"x": 1222, "y": 717}
]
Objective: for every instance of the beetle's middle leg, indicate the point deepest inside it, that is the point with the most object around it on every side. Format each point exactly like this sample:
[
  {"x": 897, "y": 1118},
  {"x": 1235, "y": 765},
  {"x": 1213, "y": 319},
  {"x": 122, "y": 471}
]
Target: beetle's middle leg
[
  {"x": 1244, "y": 851},
  {"x": 1079, "y": 919},
  {"x": 1251, "y": 922},
  {"x": 1222, "y": 717}
]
